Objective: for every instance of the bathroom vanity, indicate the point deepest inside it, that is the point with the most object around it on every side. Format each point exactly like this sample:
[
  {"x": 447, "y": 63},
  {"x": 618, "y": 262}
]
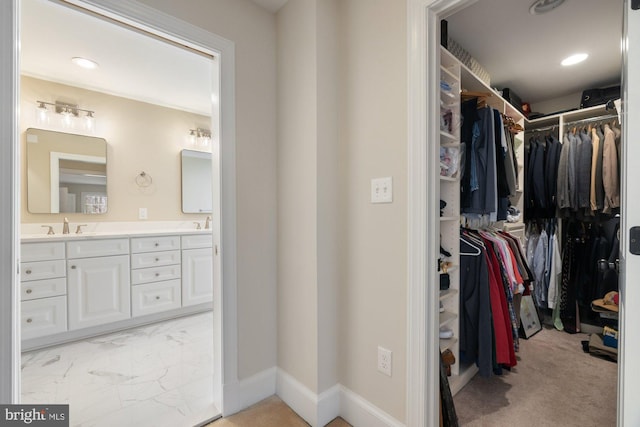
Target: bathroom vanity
[{"x": 79, "y": 285}]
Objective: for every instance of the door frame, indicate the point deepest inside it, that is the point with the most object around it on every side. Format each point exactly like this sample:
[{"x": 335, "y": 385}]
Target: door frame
[
  {"x": 165, "y": 26},
  {"x": 423, "y": 225}
]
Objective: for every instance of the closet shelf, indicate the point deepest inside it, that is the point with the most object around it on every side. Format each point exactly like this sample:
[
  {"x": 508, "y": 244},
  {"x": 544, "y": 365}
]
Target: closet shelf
[
  {"x": 447, "y": 135},
  {"x": 446, "y": 317},
  {"x": 448, "y": 178},
  {"x": 447, "y": 344},
  {"x": 449, "y": 218},
  {"x": 449, "y": 73},
  {"x": 448, "y": 294},
  {"x": 466, "y": 372}
]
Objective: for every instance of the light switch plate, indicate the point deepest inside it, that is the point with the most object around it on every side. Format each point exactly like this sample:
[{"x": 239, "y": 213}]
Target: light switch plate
[
  {"x": 382, "y": 190},
  {"x": 142, "y": 213}
]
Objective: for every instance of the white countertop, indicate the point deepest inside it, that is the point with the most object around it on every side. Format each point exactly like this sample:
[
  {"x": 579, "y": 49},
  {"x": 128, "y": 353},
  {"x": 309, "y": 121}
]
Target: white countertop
[{"x": 38, "y": 233}]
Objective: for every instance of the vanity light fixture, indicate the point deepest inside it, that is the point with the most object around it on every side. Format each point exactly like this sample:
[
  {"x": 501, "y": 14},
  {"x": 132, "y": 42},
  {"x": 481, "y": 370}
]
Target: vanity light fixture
[
  {"x": 200, "y": 136},
  {"x": 68, "y": 113},
  {"x": 574, "y": 59}
]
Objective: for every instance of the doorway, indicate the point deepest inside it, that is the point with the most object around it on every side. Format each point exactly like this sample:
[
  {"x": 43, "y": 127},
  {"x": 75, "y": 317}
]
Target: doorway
[
  {"x": 222, "y": 143},
  {"x": 424, "y": 60}
]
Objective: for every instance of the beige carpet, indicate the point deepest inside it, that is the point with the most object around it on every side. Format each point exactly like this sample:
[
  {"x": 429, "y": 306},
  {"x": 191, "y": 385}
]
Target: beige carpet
[
  {"x": 554, "y": 384},
  {"x": 271, "y": 412}
]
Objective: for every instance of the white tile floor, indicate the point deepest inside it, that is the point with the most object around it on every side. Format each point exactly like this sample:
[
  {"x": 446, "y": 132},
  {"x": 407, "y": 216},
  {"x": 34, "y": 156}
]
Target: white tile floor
[{"x": 155, "y": 375}]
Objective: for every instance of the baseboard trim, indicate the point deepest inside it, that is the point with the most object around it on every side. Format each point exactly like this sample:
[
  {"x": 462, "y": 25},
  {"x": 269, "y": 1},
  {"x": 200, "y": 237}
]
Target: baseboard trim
[
  {"x": 242, "y": 394},
  {"x": 319, "y": 410},
  {"x": 358, "y": 411}
]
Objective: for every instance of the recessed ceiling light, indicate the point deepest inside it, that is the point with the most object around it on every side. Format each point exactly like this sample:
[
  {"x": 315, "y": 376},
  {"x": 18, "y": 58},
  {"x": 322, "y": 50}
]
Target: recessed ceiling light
[
  {"x": 84, "y": 63},
  {"x": 574, "y": 59},
  {"x": 543, "y": 6}
]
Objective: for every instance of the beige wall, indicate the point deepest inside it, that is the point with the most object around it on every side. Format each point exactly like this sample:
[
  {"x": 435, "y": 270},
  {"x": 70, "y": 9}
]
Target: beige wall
[
  {"x": 140, "y": 137},
  {"x": 373, "y": 133},
  {"x": 342, "y": 261},
  {"x": 253, "y": 31},
  {"x": 297, "y": 192}
]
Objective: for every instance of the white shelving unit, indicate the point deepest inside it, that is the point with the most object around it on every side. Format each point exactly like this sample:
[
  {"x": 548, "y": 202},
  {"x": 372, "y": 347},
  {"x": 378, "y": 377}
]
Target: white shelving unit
[
  {"x": 450, "y": 193},
  {"x": 459, "y": 77}
]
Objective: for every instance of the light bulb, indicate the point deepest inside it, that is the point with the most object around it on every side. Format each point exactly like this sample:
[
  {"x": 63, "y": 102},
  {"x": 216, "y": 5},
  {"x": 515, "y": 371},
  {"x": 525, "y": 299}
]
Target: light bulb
[
  {"x": 42, "y": 114},
  {"x": 89, "y": 121}
]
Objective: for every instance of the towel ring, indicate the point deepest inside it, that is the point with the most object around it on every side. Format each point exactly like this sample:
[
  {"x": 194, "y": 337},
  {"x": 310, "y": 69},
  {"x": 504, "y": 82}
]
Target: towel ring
[{"x": 143, "y": 179}]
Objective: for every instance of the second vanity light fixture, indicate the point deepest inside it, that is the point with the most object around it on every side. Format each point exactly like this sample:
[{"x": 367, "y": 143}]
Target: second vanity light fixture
[
  {"x": 70, "y": 116},
  {"x": 200, "y": 137}
]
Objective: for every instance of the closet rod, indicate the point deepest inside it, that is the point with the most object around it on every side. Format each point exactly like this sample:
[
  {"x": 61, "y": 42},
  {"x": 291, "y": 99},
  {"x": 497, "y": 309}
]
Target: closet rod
[
  {"x": 543, "y": 128},
  {"x": 592, "y": 119}
]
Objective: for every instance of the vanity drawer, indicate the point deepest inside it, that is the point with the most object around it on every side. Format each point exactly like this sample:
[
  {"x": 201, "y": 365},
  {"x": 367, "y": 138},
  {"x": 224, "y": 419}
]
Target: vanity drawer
[
  {"x": 95, "y": 248},
  {"x": 41, "y": 251},
  {"x": 154, "y": 259},
  {"x": 157, "y": 243},
  {"x": 155, "y": 274},
  {"x": 155, "y": 297},
  {"x": 195, "y": 241},
  {"x": 39, "y": 270},
  {"x": 43, "y": 288},
  {"x": 43, "y": 316}
]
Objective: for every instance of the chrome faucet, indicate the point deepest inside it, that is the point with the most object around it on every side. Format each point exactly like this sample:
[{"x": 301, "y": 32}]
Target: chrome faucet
[
  {"x": 79, "y": 228},
  {"x": 50, "y": 231},
  {"x": 207, "y": 224},
  {"x": 65, "y": 226},
  {"x": 197, "y": 225}
]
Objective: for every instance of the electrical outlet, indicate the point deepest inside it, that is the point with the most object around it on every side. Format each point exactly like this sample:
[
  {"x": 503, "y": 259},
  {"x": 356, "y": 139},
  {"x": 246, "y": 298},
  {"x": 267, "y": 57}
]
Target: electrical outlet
[
  {"x": 382, "y": 190},
  {"x": 384, "y": 360}
]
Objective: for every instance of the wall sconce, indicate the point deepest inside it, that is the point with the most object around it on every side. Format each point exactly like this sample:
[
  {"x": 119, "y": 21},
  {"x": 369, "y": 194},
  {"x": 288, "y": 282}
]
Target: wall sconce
[
  {"x": 200, "y": 137},
  {"x": 70, "y": 115}
]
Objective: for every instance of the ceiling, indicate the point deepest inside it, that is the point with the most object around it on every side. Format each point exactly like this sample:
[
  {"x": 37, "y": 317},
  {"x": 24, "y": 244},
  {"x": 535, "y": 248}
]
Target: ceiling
[
  {"x": 523, "y": 51},
  {"x": 131, "y": 64},
  {"x": 520, "y": 51},
  {"x": 270, "y": 5}
]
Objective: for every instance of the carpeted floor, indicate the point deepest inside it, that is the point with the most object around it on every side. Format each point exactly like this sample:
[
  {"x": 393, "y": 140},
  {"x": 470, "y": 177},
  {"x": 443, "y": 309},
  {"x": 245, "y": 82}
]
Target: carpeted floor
[{"x": 554, "y": 384}]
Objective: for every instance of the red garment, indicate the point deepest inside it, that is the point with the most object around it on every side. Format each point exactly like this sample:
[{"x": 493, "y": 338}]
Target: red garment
[{"x": 505, "y": 352}]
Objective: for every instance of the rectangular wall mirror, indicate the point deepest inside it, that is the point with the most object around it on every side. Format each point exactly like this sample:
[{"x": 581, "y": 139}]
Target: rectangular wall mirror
[
  {"x": 196, "y": 182},
  {"x": 66, "y": 172}
]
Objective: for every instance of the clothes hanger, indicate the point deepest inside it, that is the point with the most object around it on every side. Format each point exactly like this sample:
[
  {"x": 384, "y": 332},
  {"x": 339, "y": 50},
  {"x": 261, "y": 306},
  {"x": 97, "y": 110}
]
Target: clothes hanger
[{"x": 475, "y": 253}]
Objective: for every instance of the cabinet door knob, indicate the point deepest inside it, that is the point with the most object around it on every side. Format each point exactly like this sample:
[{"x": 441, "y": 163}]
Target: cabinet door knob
[
  {"x": 28, "y": 271},
  {"x": 157, "y": 259},
  {"x": 157, "y": 244},
  {"x": 29, "y": 320},
  {"x": 157, "y": 274},
  {"x": 73, "y": 267},
  {"x": 157, "y": 297},
  {"x": 29, "y": 291}
]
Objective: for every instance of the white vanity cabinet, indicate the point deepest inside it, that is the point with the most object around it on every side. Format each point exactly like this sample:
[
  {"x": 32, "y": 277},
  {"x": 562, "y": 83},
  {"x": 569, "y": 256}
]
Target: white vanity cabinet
[
  {"x": 155, "y": 274},
  {"x": 98, "y": 286},
  {"x": 43, "y": 289},
  {"x": 79, "y": 286},
  {"x": 197, "y": 269}
]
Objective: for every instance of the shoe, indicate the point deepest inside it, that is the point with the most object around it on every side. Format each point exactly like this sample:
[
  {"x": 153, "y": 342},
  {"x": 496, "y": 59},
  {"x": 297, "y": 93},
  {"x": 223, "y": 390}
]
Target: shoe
[
  {"x": 446, "y": 333},
  {"x": 441, "y": 307}
]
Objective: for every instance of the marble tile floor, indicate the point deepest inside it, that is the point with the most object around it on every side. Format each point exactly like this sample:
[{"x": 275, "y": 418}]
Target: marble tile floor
[{"x": 154, "y": 375}]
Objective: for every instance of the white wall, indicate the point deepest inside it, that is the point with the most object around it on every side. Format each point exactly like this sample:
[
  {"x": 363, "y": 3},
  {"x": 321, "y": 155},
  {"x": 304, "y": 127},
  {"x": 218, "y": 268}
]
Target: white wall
[{"x": 253, "y": 31}]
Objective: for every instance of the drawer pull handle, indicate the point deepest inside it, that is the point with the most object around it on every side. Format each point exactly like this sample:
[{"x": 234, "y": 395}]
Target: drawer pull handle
[
  {"x": 157, "y": 297},
  {"x": 73, "y": 267},
  {"x": 157, "y": 274},
  {"x": 28, "y": 271},
  {"x": 29, "y": 320},
  {"x": 157, "y": 259},
  {"x": 29, "y": 291},
  {"x": 157, "y": 244}
]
